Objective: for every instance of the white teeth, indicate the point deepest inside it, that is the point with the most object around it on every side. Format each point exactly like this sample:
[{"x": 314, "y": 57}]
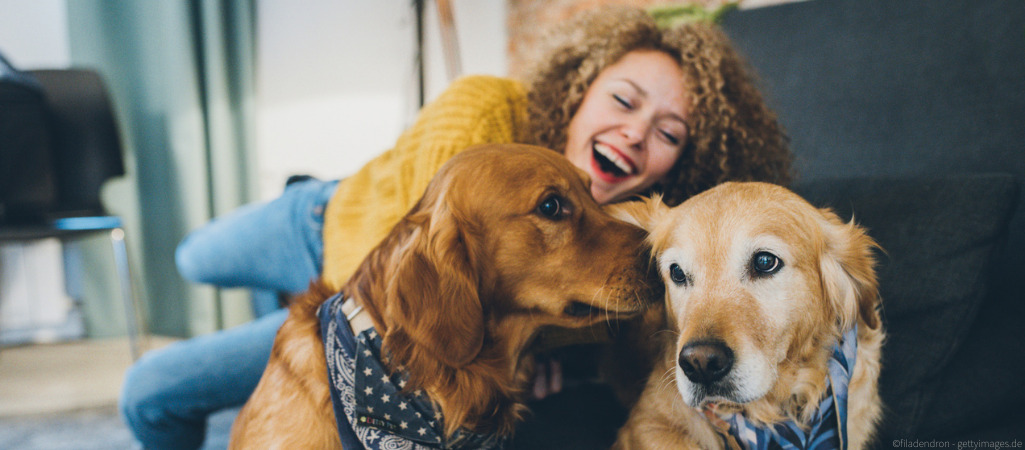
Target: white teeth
[{"x": 614, "y": 157}]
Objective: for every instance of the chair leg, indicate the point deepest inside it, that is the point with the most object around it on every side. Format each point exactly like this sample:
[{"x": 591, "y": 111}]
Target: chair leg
[{"x": 117, "y": 239}]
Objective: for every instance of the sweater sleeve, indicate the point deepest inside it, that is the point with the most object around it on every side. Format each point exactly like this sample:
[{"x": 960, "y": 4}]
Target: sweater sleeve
[{"x": 365, "y": 207}]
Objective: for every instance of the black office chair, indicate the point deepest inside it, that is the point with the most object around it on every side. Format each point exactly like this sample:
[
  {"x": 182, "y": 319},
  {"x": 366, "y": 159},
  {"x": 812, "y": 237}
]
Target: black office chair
[{"x": 85, "y": 152}]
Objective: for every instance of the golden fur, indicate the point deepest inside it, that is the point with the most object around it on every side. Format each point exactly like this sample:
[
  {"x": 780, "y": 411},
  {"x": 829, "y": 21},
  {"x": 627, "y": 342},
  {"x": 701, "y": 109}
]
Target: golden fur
[
  {"x": 732, "y": 134},
  {"x": 458, "y": 291},
  {"x": 779, "y": 327}
]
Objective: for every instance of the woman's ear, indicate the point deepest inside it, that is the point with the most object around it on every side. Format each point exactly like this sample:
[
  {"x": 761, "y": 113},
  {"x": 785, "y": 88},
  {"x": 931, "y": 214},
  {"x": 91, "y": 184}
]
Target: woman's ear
[
  {"x": 435, "y": 292},
  {"x": 644, "y": 212},
  {"x": 848, "y": 272}
]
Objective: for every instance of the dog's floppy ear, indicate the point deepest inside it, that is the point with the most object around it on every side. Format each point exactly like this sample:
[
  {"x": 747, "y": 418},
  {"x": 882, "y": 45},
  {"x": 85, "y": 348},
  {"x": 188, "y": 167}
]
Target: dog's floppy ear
[
  {"x": 643, "y": 211},
  {"x": 848, "y": 271},
  {"x": 435, "y": 290}
]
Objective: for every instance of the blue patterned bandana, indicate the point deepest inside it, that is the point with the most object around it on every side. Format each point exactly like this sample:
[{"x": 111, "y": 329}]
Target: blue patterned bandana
[
  {"x": 828, "y": 428},
  {"x": 371, "y": 409}
]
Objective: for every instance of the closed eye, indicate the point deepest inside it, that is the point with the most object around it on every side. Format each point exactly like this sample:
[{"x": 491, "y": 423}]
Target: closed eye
[
  {"x": 669, "y": 137},
  {"x": 622, "y": 101}
]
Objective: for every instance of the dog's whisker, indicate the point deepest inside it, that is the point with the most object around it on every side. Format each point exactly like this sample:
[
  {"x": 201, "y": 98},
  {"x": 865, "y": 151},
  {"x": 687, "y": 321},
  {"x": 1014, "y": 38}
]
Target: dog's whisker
[
  {"x": 666, "y": 381},
  {"x": 607, "y": 301},
  {"x": 602, "y": 297},
  {"x": 674, "y": 332},
  {"x": 603, "y": 300}
]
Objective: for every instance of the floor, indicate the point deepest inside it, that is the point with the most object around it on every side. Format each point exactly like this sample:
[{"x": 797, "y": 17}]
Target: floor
[
  {"x": 64, "y": 396},
  {"x": 97, "y": 428},
  {"x": 48, "y": 378}
]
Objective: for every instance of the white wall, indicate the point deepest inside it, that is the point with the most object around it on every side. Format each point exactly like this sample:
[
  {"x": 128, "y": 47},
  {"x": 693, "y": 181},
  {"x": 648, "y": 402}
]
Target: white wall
[
  {"x": 332, "y": 81},
  {"x": 34, "y": 35},
  {"x": 336, "y": 79},
  {"x": 482, "y": 34}
]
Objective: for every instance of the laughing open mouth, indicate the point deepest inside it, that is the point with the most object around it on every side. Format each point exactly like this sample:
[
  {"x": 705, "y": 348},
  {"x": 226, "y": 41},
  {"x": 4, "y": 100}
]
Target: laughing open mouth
[{"x": 610, "y": 162}]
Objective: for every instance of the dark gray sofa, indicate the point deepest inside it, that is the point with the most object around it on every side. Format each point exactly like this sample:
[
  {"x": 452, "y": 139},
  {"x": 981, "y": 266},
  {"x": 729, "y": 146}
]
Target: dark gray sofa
[{"x": 908, "y": 115}]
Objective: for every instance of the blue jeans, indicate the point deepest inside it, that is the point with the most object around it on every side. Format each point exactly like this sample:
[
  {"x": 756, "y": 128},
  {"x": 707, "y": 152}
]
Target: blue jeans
[{"x": 275, "y": 246}]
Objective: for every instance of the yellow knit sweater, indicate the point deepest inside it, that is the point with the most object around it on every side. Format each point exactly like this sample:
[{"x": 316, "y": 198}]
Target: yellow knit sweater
[{"x": 473, "y": 110}]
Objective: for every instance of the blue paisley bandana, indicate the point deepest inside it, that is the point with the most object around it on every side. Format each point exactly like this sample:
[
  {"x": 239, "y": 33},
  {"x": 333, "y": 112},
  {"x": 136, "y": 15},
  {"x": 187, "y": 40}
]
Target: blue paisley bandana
[
  {"x": 828, "y": 428},
  {"x": 371, "y": 409}
]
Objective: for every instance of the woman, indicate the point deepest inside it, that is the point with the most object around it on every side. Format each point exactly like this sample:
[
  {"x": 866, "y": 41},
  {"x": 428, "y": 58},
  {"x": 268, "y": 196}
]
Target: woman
[{"x": 640, "y": 109}]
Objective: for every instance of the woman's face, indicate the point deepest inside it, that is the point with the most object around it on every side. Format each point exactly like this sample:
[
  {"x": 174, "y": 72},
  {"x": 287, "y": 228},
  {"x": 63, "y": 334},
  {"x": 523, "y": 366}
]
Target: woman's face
[{"x": 630, "y": 128}]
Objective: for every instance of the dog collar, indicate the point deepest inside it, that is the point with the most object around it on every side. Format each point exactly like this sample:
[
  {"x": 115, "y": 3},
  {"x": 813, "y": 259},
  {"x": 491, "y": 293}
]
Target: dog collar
[
  {"x": 828, "y": 427},
  {"x": 355, "y": 315},
  {"x": 372, "y": 408}
]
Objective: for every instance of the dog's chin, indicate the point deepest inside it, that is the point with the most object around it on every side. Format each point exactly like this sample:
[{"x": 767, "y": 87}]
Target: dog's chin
[{"x": 728, "y": 391}]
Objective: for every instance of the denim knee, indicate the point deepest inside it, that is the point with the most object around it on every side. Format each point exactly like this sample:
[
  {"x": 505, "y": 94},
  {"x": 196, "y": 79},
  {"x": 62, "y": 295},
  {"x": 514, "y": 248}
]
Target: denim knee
[
  {"x": 147, "y": 408},
  {"x": 190, "y": 265}
]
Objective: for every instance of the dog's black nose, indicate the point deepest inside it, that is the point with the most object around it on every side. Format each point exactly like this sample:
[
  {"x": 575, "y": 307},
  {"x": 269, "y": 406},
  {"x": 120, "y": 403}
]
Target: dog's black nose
[{"x": 706, "y": 362}]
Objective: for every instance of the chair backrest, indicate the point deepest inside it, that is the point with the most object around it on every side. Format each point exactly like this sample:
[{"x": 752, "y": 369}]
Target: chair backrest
[
  {"x": 86, "y": 143},
  {"x": 27, "y": 186}
]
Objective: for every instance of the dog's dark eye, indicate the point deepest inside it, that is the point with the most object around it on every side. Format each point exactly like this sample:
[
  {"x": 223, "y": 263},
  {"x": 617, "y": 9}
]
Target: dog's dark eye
[
  {"x": 550, "y": 207},
  {"x": 765, "y": 263},
  {"x": 676, "y": 274}
]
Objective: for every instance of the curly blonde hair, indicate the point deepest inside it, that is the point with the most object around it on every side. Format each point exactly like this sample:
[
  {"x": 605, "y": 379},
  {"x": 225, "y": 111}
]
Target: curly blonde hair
[{"x": 732, "y": 133}]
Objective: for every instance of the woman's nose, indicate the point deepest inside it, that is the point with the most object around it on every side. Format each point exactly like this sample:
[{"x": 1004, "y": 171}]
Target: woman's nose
[{"x": 635, "y": 132}]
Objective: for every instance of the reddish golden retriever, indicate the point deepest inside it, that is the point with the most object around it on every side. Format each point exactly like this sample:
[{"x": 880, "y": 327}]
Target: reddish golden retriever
[
  {"x": 759, "y": 287},
  {"x": 505, "y": 240}
]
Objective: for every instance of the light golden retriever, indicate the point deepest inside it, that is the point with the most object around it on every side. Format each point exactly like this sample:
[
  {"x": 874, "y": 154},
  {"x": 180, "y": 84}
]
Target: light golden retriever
[
  {"x": 759, "y": 286},
  {"x": 506, "y": 239}
]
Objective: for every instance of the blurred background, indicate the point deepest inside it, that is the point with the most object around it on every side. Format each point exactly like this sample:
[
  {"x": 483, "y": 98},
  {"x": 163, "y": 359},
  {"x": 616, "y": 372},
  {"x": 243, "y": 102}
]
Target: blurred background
[
  {"x": 216, "y": 103},
  {"x": 211, "y": 104}
]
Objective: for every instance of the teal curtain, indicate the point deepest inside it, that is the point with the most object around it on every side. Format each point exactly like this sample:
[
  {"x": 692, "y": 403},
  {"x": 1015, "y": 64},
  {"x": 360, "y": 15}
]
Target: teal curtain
[{"x": 181, "y": 77}]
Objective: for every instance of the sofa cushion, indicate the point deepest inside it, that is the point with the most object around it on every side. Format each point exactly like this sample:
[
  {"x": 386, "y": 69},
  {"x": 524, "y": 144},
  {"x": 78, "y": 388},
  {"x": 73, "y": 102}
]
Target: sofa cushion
[{"x": 940, "y": 235}]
